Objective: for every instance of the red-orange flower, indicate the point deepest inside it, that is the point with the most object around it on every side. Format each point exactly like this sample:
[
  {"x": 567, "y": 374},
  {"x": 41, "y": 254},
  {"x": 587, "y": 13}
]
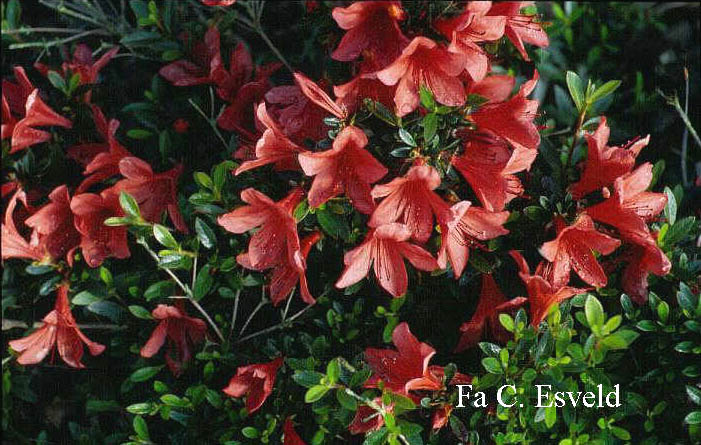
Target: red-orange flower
[
  {"x": 573, "y": 249},
  {"x": 273, "y": 147},
  {"x": 277, "y": 238},
  {"x": 347, "y": 167},
  {"x": 385, "y": 247},
  {"x": 520, "y": 28},
  {"x": 643, "y": 259},
  {"x": 468, "y": 29},
  {"x": 410, "y": 200},
  {"x": 489, "y": 167},
  {"x": 492, "y": 302},
  {"x": 299, "y": 117},
  {"x": 154, "y": 192},
  {"x": 218, "y": 2},
  {"x": 181, "y": 331},
  {"x": 206, "y": 67},
  {"x": 255, "y": 381},
  {"x": 36, "y": 114},
  {"x": 462, "y": 227},
  {"x": 424, "y": 62},
  {"x": 318, "y": 96},
  {"x": 604, "y": 164},
  {"x": 365, "y": 85},
  {"x": 367, "y": 419},
  {"x": 541, "y": 293},
  {"x": 54, "y": 224},
  {"x": 60, "y": 330},
  {"x": 291, "y": 436},
  {"x": 14, "y": 245},
  {"x": 372, "y": 29},
  {"x": 630, "y": 206},
  {"x": 98, "y": 241},
  {"x": 512, "y": 120}
]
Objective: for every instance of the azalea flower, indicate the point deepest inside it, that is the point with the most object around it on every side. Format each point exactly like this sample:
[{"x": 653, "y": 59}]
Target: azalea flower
[
  {"x": 406, "y": 369},
  {"x": 346, "y": 167},
  {"x": 154, "y": 192},
  {"x": 512, "y": 120},
  {"x": 206, "y": 67},
  {"x": 365, "y": 85},
  {"x": 291, "y": 436},
  {"x": 573, "y": 249},
  {"x": 97, "y": 240},
  {"x": 14, "y": 245},
  {"x": 631, "y": 206},
  {"x": 242, "y": 90},
  {"x": 462, "y": 226},
  {"x": 277, "y": 239},
  {"x": 372, "y": 31},
  {"x": 317, "y": 95},
  {"x": 102, "y": 160},
  {"x": 495, "y": 88},
  {"x": 542, "y": 294},
  {"x": 181, "y": 331},
  {"x": 59, "y": 329},
  {"x": 604, "y": 164},
  {"x": 273, "y": 147},
  {"x": 520, "y": 28},
  {"x": 53, "y": 223},
  {"x": 410, "y": 200},
  {"x": 299, "y": 117},
  {"x": 492, "y": 302},
  {"x": 468, "y": 29},
  {"x": 255, "y": 381},
  {"x": 489, "y": 167},
  {"x": 424, "y": 62},
  {"x": 366, "y": 419},
  {"x": 14, "y": 97},
  {"x": 385, "y": 247},
  {"x": 83, "y": 153},
  {"x": 83, "y": 64},
  {"x": 218, "y": 2},
  {"x": 285, "y": 275},
  {"x": 643, "y": 259}
]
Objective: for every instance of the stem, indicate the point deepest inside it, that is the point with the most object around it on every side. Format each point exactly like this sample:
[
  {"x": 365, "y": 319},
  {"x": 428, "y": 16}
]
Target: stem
[
  {"x": 287, "y": 306},
  {"x": 275, "y": 327},
  {"x": 674, "y": 101},
  {"x": 250, "y": 317},
  {"x": 273, "y": 48},
  {"x": 575, "y": 139},
  {"x": 685, "y": 136},
  {"x": 184, "y": 288},
  {"x": 234, "y": 314},
  {"x": 210, "y": 122}
]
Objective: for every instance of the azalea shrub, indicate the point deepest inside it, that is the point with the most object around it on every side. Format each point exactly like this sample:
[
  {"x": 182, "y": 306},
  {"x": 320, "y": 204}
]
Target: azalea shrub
[{"x": 310, "y": 222}]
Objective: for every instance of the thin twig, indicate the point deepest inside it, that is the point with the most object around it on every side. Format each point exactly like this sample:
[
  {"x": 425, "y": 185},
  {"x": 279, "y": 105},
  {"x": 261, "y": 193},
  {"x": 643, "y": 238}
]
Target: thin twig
[
  {"x": 234, "y": 314},
  {"x": 674, "y": 101},
  {"x": 275, "y": 327},
  {"x": 250, "y": 317},
  {"x": 210, "y": 122},
  {"x": 685, "y": 136},
  {"x": 187, "y": 290}
]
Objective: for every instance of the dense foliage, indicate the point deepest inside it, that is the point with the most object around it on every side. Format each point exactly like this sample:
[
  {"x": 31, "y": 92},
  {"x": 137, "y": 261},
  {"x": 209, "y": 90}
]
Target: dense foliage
[{"x": 307, "y": 222}]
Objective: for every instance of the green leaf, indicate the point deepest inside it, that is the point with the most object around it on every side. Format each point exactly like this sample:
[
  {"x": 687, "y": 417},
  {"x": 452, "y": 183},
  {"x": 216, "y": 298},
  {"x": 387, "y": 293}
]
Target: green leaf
[
  {"x": 140, "y": 428},
  {"x": 203, "y": 282},
  {"x": 679, "y": 231},
  {"x": 164, "y": 237},
  {"x": 139, "y": 134},
  {"x": 315, "y": 393},
  {"x": 401, "y": 152},
  {"x": 430, "y": 124},
  {"x": 620, "y": 340},
  {"x": 507, "y": 322},
  {"x": 427, "y": 100},
  {"x": 407, "y": 138},
  {"x": 670, "y": 209},
  {"x": 346, "y": 400},
  {"x": 140, "y": 408},
  {"x": 101, "y": 406},
  {"x": 140, "y": 312},
  {"x": 250, "y": 432},
  {"x": 333, "y": 371},
  {"x": 574, "y": 84},
  {"x": 205, "y": 234},
  {"x": 57, "y": 80},
  {"x": 140, "y": 38},
  {"x": 594, "y": 312},
  {"x": 620, "y": 432},
  {"x": 175, "y": 401},
  {"x": 686, "y": 298},
  {"x": 307, "y": 378},
  {"x": 603, "y": 91},
  {"x": 116, "y": 221},
  {"x": 490, "y": 349},
  {"x": 693, "y": 418},
  {"x": 333, "y": 224},
  {"x": 203, "y": 180},
  {"x": 84, "y": 298},
  {"x": 129, "y": 205},
  {"x": 694, "y": 394},
  {"x": 492, "y": 365},
  {"x": 160, "y": 289},
  {"x": 144, "y": 374},
  {"x": 663, "y": 312},
  {"x": 550, "y": 415}
]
